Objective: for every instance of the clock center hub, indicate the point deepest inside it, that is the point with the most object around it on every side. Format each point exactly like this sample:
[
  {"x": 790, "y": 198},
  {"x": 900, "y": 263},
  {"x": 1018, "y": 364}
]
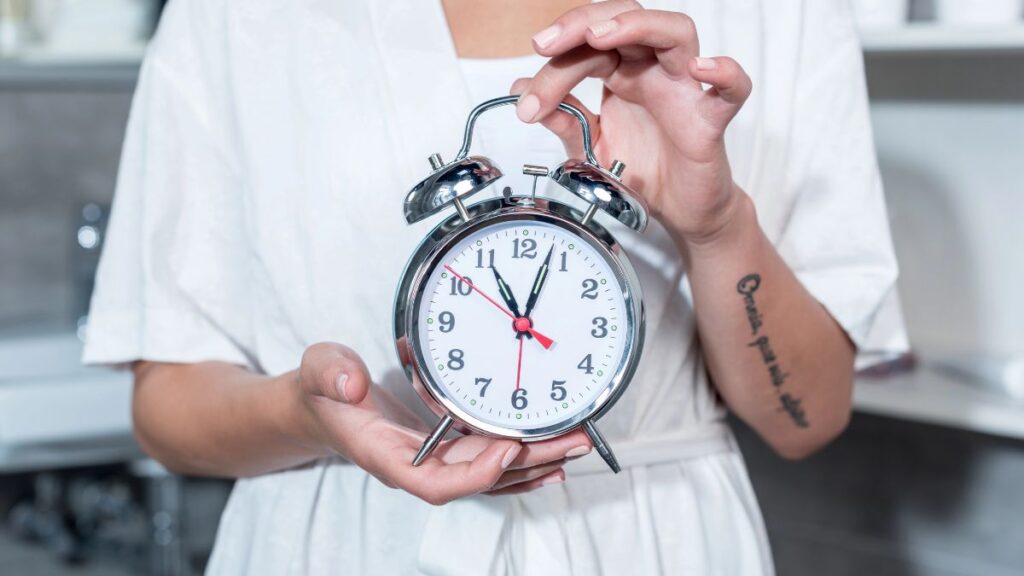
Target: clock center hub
[{"x": 522, "y": 324}]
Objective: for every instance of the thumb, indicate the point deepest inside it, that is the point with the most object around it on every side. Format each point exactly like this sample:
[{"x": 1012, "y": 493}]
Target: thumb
[
  {"x": 730, "y": 87},
  {"x": 334, "y": 371}
]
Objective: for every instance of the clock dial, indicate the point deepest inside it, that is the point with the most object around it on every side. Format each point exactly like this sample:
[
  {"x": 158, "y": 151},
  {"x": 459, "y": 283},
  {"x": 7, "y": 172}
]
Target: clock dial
[{"x": 523, "y": 324}]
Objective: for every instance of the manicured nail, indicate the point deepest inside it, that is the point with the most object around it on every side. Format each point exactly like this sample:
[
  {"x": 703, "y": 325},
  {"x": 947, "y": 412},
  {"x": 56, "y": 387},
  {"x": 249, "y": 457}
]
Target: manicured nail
[
  {"x": 578, "y": 451},
  {"x": 706, "y": 63},
  {"x": 603, "y": 28},
  {"x": 340, "y": 384},
  {"x": 553, "y": 478},
  {"x": 527, "y": 108},
  {"x": 510, "y": 455},
  {"x": 545, "y": 37}
]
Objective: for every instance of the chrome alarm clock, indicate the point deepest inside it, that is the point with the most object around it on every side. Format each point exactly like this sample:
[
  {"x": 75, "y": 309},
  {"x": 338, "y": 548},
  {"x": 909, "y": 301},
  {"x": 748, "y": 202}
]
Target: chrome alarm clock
[{"x": 520, "y": 317}]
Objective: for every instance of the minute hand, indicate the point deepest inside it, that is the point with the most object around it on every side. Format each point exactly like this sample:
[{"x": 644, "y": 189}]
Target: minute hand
[{"x": 538, "y": 283}]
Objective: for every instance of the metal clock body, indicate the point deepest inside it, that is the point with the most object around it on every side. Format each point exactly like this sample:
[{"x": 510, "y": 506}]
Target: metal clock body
[{"x": 462, "y": 330}]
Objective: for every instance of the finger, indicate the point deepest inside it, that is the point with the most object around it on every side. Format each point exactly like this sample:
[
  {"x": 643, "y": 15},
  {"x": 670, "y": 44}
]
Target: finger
[
  {"x": 672, "y": 36},
  {"x": 513, "y": 477},
  {"x": 439, "y": 483},
  {"x": 569, "y": 30},
  {"x": 559, "y": 76},
  {"x": 730, "y": 88},
  {"x": 556, "y": 477},
  {"x": 565, "y": 125},
  {"x": 571, "y": 445},
  {"x": 334, "y": 371}
]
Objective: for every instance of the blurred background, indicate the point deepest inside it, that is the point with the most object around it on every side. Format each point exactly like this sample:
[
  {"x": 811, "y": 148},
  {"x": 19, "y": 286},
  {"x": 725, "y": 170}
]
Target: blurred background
[{"x": 928, "y": 480}]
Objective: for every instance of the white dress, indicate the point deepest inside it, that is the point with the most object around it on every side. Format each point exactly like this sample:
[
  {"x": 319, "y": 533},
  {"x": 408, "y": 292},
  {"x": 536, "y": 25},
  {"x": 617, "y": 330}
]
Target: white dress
[{"x": 258, "y": 211}]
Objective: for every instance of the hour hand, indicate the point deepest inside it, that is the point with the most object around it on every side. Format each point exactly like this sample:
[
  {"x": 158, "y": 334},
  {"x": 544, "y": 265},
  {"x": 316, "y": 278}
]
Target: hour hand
[{"x": 506, "y": 293}]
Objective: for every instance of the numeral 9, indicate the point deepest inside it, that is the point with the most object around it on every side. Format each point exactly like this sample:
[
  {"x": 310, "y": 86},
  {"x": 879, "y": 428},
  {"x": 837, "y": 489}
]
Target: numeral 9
[{"x": 447, "y": 320}]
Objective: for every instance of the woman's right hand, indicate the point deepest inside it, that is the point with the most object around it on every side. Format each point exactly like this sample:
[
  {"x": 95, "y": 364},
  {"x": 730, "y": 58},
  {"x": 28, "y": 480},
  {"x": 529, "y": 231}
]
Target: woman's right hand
[{"x": 346, "y": 414}]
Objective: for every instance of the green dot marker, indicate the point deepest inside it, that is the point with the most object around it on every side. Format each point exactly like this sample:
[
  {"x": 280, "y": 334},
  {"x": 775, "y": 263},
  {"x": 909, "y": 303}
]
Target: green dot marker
[
  {"x": 472, "y": 402},
  {"x": 430, "y": 320},
  {"x": 565, "y": 404},
  {"x": 571, "y": 246},
  {"x": 444, "y": 274},
  {"x": 600, "y": 373},
  {"x": 614, "y": 328},
  {"x": 526, "y": 232},
  {"x": 603, "y": 281},
  {"x": 440, "y": 366},
  {"x": 519, "y": 416},
  {"x": 479, "y": 242}
]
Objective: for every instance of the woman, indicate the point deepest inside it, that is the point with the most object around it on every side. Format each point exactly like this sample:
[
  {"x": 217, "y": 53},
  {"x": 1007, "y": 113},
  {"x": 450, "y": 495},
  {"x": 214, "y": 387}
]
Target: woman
[{"x": 257, "y": 239}]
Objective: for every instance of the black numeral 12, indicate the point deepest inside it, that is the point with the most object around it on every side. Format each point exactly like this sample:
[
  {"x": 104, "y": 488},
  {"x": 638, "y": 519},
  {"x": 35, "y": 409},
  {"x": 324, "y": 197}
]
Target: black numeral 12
[{"x": 525, "y": 248}]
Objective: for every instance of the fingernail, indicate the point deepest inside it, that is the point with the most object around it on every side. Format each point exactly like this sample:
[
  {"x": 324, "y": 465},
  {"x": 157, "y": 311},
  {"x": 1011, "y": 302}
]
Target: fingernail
[
  {"x": 545, "y": 37},
  {"x": 554, "y": 478},
  {"x": 340, "y": 384},
  {"x": 510, "y": 455},
  {"x": 578, "y": 451},
  {"x": 706, "y": 63},
  {"x": 603, "y": 28},
  {"x": 527, "y": 108}
]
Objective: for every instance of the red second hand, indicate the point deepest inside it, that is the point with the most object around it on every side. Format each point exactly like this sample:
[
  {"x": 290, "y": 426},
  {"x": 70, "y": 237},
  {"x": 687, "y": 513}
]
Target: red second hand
[
  {"x": 519, "y": 363},
  {"x": 542, "y": 339}
]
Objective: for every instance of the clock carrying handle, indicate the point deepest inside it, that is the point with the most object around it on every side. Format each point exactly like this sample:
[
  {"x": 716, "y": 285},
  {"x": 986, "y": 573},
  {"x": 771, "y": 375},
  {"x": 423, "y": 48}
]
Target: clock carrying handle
[{"x": 467, "y": 138}]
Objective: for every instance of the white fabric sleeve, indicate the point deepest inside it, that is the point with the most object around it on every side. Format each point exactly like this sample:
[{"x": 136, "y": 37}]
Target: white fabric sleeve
[
  {"x": 171, "y": 281},
  {"x": 836, "y": 238}
]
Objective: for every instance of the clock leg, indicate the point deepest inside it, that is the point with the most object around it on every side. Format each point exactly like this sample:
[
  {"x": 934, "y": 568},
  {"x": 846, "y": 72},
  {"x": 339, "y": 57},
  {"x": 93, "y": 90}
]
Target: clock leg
[
  {"x": 602, "y": 447},
  {"x": 431, "y": 442}
]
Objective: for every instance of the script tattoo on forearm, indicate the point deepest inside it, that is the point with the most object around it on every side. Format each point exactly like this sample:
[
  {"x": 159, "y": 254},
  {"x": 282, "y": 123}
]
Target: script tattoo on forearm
[{"x": 789, "y": 404}]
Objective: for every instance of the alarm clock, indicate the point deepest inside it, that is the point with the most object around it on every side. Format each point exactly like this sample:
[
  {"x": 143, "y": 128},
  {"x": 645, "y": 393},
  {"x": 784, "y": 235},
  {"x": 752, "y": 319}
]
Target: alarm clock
[{"x": 520, "y": 317}]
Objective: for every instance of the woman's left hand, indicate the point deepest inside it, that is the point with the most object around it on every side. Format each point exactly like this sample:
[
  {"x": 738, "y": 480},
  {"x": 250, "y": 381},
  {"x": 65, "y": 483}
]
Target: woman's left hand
[{"x": 656, "y": 117}]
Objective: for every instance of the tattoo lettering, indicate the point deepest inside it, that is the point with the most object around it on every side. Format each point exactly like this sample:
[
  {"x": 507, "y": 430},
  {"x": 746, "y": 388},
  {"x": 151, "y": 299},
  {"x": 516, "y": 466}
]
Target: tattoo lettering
[
  {"x": 792, "y": 406},
  {"x": 747, "y": 286},
  {"x": 762, "y": 344},
  {"x": 778, "y": 376}
]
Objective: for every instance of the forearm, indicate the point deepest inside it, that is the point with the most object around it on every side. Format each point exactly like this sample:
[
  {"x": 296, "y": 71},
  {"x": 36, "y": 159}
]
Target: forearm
[
  {"x": 217, "y": 419},
  {"x": 777, "y": 357}
]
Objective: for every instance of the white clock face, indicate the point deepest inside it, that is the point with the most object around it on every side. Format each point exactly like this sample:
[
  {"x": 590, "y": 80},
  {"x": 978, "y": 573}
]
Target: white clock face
[{"x": 523, "y": 324}]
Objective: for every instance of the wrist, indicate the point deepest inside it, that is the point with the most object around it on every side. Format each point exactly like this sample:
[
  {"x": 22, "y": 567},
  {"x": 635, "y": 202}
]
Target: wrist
[{"x": 736, "y": 222}]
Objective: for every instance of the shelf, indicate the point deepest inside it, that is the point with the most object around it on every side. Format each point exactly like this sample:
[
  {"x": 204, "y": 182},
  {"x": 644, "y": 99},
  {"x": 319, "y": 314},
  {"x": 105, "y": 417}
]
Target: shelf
[
  {"x": 54, "y": 412},
  {"x": 932, "y": 397},
  {"x": 942, "y": 39}
]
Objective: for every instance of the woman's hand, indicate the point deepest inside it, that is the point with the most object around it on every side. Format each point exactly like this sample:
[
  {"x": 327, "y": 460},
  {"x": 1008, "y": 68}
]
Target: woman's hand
[
  {"x": 349, "y": 416},
  {"x": 655, "y": 117}
]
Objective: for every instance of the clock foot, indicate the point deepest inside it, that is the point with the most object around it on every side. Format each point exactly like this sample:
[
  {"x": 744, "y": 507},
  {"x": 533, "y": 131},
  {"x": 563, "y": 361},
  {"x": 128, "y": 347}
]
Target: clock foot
[
  {"x": 602, "y": 447},
  {"x": 431, "y": 442}
]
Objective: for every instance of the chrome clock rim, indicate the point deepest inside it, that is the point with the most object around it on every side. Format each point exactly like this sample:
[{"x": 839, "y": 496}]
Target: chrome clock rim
[{"x": 449, "y": 232}]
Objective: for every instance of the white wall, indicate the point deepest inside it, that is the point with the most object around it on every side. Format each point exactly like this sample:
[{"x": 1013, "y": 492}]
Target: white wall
[{"x": 950, "y": 137}]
